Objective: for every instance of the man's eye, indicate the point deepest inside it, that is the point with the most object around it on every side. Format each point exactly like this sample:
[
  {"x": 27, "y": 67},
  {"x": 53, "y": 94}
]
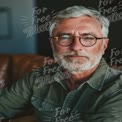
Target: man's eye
[
  {"x": 88, "y": 38},
  {"x": 65, "y": 37}
]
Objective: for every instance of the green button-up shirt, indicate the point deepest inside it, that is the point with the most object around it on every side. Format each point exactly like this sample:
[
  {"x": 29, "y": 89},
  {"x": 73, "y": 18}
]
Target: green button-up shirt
[{"x": 99, "y": 99}]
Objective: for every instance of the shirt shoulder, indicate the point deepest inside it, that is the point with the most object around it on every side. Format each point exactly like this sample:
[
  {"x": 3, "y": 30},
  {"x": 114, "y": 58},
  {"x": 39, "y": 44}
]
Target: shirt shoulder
[
  {"x": 113, "y": 82},
  {"x": 46, "y": 75}
]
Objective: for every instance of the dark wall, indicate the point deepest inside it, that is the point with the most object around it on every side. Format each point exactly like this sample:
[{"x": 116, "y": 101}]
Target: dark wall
[{"x": 110, "y": 8}]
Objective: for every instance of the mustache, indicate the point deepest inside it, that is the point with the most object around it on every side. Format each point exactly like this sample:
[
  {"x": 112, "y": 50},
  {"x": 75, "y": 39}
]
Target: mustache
[{"x": 76, "y": 54}]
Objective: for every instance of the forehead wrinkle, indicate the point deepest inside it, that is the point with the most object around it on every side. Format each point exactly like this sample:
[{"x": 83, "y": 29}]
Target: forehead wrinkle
[
  {"x": 75, "y": 32},
  {"x": 77, "y": 28}
]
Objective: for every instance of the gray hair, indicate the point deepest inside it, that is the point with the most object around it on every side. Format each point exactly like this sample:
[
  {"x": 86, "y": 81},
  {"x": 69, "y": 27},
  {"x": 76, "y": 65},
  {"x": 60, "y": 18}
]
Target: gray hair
[{"x": 77, "y": 11}]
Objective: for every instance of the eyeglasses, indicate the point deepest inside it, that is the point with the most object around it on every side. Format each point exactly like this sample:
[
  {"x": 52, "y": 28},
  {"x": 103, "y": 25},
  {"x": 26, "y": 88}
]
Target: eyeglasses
[{"x": 86, "y": 40}]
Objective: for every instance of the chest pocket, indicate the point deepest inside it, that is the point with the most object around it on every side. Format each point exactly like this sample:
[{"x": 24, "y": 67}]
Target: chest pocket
[
  {"x": 44, "y": 109},
  {"x": 43, "y": 104}
]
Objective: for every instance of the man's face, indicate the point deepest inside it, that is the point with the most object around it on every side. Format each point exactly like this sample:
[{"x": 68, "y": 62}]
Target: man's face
[{"x": 76, "y": 57}]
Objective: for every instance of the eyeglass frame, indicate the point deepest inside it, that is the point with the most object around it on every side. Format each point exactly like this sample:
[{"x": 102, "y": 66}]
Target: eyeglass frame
[{"x": 56, "y": 38}]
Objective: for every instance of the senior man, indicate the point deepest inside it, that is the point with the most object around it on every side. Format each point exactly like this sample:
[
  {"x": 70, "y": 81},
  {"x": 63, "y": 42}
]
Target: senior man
[{"x": 80, "y": 87}]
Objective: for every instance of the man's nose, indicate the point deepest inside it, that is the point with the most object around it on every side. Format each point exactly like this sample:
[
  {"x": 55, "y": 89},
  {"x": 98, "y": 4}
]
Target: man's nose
[{"x": 76, "y": 45}]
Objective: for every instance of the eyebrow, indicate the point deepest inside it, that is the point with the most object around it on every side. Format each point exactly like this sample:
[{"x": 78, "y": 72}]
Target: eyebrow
[
  {"x": 83, "y": 34},
  {"x": 63, "y": 33},
  {"x": 86, "y": 34}
]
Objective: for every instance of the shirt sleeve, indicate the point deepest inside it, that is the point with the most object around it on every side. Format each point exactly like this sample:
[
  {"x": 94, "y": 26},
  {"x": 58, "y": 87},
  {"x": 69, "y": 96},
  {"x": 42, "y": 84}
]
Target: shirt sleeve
[{"x": 15, "y": 99}]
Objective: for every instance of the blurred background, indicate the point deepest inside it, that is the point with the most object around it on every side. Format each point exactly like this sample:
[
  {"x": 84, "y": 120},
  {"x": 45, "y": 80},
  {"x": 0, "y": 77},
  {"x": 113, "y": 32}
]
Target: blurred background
[
  {"x": 15, "y": 17},
  {"x": 24, "y": 25}
]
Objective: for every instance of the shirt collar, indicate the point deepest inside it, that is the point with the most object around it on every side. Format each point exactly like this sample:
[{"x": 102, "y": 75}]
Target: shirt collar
[{"x": 98, "y": 78}]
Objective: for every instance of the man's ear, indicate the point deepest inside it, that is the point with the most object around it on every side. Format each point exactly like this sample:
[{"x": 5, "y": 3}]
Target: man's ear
[{"x": 105, "y": 45}]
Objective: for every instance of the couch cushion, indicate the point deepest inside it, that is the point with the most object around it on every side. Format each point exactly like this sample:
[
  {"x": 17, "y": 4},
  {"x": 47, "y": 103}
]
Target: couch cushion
[
  {"x": 4, "y": 70},
  {"x": 24, "y": 63},
  {"x": 14, "y": 67}
]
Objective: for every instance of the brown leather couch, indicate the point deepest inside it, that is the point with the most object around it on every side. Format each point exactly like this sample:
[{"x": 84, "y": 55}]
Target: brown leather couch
[{"x": 14, "y": 67}]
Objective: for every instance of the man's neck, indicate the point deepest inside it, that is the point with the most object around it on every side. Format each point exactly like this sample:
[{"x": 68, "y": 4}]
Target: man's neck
[{"x": 77, "y": 78}]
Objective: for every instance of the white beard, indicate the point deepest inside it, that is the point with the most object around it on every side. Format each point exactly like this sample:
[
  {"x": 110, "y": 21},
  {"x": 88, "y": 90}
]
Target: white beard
[{"x": 75, "y": 66}]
